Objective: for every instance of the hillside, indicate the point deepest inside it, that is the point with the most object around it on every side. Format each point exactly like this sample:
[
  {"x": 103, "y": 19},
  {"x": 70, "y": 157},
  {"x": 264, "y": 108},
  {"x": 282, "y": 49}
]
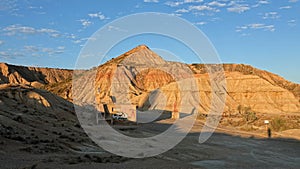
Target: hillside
[
  {"x": 249, "y": 70},
  {"x": 39, "y": 127},
  {"x": 140, "y": 71},
  {"x": 33, "y": 76},
  {"x": 260, "y": 90}
]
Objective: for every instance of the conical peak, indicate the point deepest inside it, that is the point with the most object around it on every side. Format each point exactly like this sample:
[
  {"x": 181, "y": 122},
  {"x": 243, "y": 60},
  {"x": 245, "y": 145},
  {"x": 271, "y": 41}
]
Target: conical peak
[
  {"x": 137, "y": 49},
  {"x": 141, "y": 54},
  {"x": 143, "y": 46}
]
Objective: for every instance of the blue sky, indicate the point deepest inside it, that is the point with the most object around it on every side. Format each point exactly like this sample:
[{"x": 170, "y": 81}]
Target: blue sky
[{"x": 47, "y": 33}]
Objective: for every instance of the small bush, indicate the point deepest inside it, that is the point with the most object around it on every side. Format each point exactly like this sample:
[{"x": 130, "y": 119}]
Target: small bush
[
  {"x": 250, "y": 116},
  {"x": 278, "y": 124},
  {"x": 247, "y": 113},
  {"x": 201, "y": 116}
]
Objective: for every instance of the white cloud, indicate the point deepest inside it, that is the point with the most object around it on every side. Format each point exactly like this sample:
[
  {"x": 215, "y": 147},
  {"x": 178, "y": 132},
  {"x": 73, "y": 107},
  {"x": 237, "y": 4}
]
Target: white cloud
[
  {"x": 42, "y": 51},
  {"x": 98, "y": 15},
  {"x": 85, "y": 23},
  {"x": 182, "y": 11},
  {"x": 7, "y": 5},
  {"x": 55, "y": 35},
  {"x": 292, "y": 22},
  {"x": 4, "y": 55},
  {"x": 245, "y": 34},
  {"x": 1, "y": 42},
  {"x": 293, "y": 1},
  {"x": 256, "y": 26},
  {"x": 239, "y": 8},
  {"x": 31, "y": 48},
  {"x": 177, "y": 3},
  {"x": 203, "y": 8},
  {"x": 285, "y": 7},
  {"x": 263, "y": 2},
  {"x": 77, "y": 41},
  {"x": 53, "y": 51},
  {"x": 201, "y": 23},
  {"x": 82, "y": 40},
  {"x": 216, "y": 3},
  {"x": 173, "y": 4},
  {"x": 271, "y": 15},
  {"x": 115, "y": 28},
  {"x": 11, "y": 7},
  {"x": 192, "y": 1},
  {"x": 19, "y": 29},
  {"x": 45, "y": 30},
  {"x": 10, "y": 55},
  {"x": 14, "y": 29},
  {"x": 175, "y": 14},
  {"x": 71, "y": 36},
  {"x": 151, "y": 1},
  {"x": 61, "y": 48}
]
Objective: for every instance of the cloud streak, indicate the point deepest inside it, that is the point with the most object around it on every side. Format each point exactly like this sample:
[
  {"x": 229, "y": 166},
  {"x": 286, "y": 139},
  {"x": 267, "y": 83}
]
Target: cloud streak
[
  {"x": 201, "y": 23},
  {"x": 292, "y": 23},
  {"x": 293, "y": 1},
  {"x": 98, "y": 15},
  {"x": 216, "y": 3},
  {"x": 85, "y": 22},
  {"x": 256, "y": 26},
  {"x": 271, "y": 15},
  {"x": 285, "y": 7},
  {"x": 203, "y": 8},
  {"x": 177, "y": 3},
  {"x": 238, "y": 8},
  {"x": 42, "y": 51},
  {"x": 10, "y": 55},
  {"x": 19, "y": 29},
  {"x": 151, "y": 1}
]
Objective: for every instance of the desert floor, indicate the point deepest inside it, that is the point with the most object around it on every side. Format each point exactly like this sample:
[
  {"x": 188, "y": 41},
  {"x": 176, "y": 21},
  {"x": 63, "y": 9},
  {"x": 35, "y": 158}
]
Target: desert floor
[{"x": 225, "y": 149}]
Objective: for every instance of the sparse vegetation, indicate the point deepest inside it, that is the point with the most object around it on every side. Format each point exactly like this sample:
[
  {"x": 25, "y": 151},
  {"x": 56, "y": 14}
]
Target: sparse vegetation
[
  {"x": 248, "y": 128},
  {"x": 201, "y": 116},
  {"x": 247, "y": 113},
  {"x": 240, "y": 108},
  {"x": 250, "y": 116},
  {"x": 278, "y": 124}
]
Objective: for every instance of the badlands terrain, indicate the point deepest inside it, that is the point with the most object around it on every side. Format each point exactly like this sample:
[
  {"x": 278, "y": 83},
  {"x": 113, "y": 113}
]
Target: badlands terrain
[{"x": 39, "y": 127}]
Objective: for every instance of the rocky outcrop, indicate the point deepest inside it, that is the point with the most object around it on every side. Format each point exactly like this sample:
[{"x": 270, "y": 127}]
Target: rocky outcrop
[
  {"x": 246, "y": 90},
  {"x": 28, "y": 97},
  {"x": 249, "y": 70},
  {"x": 129, "y": 78},
  {"x": 140, "y": 75},
  {"x": 247, "y": 86},
  {"x": 33, "y": 76}
]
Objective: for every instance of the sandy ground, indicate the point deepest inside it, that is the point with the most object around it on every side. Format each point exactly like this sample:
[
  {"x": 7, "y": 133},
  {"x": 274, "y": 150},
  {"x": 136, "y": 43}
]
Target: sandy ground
[{"x": 222, "y": 150}]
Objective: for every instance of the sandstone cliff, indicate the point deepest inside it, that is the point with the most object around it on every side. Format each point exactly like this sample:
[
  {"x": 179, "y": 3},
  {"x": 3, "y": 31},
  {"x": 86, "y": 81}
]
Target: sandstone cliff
[
  {"x": 32, "y": 75},
  {"x": 247, "y": 86},
  {"x": 136, "y": 76}
]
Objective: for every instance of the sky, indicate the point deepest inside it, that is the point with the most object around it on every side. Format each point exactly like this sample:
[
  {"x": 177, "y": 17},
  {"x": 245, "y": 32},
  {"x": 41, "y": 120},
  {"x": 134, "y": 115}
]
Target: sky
[{"x": 48, "y": 33}]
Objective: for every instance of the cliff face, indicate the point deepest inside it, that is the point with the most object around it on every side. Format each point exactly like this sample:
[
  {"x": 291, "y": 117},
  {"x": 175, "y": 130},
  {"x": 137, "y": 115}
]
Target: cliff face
[
  {"x": 32, "y": 75},
  {"x": 136, "y": 77},
  {"x": 246, "y": 86},
  {"x": 249, "y": 70},
  {"x": 129, "y": 78},
  {"x": 245, "y": 90}
]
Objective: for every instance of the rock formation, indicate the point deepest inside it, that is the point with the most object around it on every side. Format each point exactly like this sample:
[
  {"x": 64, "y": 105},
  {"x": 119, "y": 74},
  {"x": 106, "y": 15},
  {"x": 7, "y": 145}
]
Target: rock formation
[{"x": 135, "y": 77}]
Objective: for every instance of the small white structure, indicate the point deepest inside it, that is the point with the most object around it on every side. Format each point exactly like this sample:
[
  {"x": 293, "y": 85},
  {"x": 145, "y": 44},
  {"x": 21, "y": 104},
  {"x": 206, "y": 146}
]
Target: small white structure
[{"x": 128, "y": 109}]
